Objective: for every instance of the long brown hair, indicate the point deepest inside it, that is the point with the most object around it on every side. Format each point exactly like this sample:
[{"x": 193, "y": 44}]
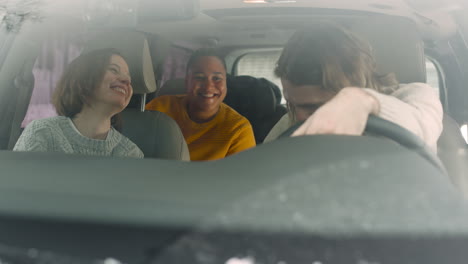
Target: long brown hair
[
  {"x": 79, "y": 81},
  {"x": 329, "y": 56}
]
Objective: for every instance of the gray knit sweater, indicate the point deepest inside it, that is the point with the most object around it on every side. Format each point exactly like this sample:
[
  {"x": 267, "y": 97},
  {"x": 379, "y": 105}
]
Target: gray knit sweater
[{"x": 59, "y": 134}]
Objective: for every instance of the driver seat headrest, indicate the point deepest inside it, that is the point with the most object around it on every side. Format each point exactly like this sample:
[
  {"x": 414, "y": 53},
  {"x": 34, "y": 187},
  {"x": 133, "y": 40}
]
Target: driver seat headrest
[
  {"x": 251, "y": 97},
  {"x": 134, "y": 47},
  {"x": 397, "y": 46}
]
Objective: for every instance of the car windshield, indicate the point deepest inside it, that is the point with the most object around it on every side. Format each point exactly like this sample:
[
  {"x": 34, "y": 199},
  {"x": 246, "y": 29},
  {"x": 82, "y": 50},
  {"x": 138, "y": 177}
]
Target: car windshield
[{"x": 384, "y": 194}]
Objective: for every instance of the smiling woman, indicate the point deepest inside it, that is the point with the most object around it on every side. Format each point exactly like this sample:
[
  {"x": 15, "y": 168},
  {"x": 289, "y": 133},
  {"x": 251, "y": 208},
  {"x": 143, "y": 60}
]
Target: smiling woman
[{"x": 92, "y": 91}]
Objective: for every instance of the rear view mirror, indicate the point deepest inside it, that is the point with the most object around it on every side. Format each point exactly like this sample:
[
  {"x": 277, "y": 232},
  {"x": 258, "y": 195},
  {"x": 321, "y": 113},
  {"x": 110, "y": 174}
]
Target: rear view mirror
[
  {"x": 128, "y": 13},
  {"x": 164, "y": 10},
  {"x": 111, "y": 13}
]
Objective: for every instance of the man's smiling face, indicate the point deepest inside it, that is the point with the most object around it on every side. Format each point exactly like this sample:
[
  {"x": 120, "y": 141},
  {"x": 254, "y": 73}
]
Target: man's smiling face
[{"x": 206, "y": 84}]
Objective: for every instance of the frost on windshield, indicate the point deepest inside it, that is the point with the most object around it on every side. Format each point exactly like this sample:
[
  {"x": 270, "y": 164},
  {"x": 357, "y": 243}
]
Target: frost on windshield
[
  {"x": 115, "y": 13},
  {"x": 16, "y": 255},
  {"x": 14, "y": 12}
]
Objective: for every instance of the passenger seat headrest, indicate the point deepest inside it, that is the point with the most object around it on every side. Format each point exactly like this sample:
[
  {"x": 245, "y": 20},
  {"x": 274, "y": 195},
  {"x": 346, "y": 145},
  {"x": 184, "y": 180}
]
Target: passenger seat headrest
[
  {"x": 251, "y": 97},
  {"x": 397, "y": 46},
  {"x": 172, "y": 87},
  {"x": 134, "y": 47}
]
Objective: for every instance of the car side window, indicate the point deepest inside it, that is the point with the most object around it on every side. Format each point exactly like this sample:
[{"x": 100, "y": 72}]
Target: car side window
[
  {"x": 175, "y": 63},
  {"x": 56, "y": 54},
  {"x": 260, "y": 64},
  {"x": 464, "y": 131},
  {"x": 432, "y": 75}
]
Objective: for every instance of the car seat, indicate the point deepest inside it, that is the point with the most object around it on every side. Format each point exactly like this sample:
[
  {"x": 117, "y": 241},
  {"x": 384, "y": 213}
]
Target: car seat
[
  {"x": 400, "y": 49},
  {"x": 258, "y": 100},
  {"x": 155, "y": 133}
]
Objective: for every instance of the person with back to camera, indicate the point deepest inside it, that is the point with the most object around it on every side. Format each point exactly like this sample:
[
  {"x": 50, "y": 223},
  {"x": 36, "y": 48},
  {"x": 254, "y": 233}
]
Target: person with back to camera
[
  {"x": 94, "y": 88},
  {"x": 330, "y": 81}
]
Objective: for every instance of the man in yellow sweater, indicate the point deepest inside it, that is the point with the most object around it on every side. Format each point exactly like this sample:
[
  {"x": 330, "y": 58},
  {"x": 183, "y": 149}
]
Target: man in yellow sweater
[{"x": 212, "y": 129}]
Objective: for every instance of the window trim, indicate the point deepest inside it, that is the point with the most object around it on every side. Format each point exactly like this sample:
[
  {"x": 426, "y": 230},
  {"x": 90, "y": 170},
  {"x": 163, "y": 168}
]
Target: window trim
[
  {"x": 233, "y": 57},
  {"x": 234, "y": 70},
  {"x": 441, "y": 78}
]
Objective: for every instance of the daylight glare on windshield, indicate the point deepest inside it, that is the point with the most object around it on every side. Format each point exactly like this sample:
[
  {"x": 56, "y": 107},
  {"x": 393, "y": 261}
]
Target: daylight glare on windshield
[{"x": 464, "y": 130}]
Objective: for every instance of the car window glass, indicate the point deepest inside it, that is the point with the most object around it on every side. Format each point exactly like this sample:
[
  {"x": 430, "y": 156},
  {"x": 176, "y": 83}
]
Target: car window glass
[
  {"x": 261, "y": 65},
  {"x": 57, "y": 52},
  {"x": 432, "y": 74},
  {"x": 7, "y": 35},
  {"x": 175, "y": 63},
  {"x": 464, "y": 130},
  {"x": 4, "y": 33}
]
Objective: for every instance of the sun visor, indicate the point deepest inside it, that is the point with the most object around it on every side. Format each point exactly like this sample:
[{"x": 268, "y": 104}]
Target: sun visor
[{"x": 165, "y": 10}]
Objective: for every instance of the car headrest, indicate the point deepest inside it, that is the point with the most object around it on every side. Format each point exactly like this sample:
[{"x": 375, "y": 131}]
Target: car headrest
[
  {"x": 134, "y": 47},
  {"x": 251, "y": 97},
  {"x": 397, "y": 46},
  {"x": 172, "y": 87}
]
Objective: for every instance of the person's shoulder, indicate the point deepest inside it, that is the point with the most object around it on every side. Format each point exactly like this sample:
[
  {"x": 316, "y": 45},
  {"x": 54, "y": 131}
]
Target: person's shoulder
[
  {"x": 166, "y": 98},
  {"x": 40, "y": 134},
  {"x": 164, "y": 101},
  {"x": 231, "y": 116},
  {"x": 47, "y": 123},
  {"x": 416, "y": 88},
  {"x": 239, "y": 126},
  {"x": 417, "y": 92},
  {"x": 126, "y": 147},
  {"x": 279, "y": 128}
]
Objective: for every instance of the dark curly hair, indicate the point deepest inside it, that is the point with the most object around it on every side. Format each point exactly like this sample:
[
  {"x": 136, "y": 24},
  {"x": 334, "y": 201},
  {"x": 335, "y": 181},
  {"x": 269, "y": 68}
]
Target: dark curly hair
[{"x": 204, "y": 52}]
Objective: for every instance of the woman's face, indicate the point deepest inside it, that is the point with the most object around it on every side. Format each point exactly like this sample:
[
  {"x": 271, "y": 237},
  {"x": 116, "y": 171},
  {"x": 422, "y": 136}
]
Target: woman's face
[
  {"x": 206, "y": 84},
  {"x": 305, "y": 99},
  {"x": 115, "y": 89}
]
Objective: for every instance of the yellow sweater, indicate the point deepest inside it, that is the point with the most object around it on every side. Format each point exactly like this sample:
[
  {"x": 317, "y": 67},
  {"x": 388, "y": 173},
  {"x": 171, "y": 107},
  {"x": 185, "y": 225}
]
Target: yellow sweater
[{"x": 224, "y": 135}]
